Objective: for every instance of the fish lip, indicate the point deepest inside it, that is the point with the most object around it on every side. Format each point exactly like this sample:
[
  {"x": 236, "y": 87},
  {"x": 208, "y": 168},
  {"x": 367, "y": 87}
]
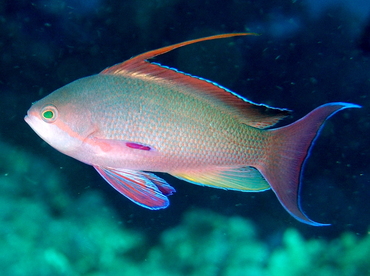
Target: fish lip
[{"x": 28, "y": 119}]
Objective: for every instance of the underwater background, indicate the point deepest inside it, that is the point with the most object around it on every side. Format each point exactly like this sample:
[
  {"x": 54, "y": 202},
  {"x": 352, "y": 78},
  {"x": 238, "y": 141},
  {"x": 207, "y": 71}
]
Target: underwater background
[{"x": 59, "y": 217}]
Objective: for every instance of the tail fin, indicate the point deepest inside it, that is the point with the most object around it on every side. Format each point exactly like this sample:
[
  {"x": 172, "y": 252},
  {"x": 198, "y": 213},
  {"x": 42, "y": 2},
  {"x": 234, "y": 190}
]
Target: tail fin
[{"x": 290, "y": 148}]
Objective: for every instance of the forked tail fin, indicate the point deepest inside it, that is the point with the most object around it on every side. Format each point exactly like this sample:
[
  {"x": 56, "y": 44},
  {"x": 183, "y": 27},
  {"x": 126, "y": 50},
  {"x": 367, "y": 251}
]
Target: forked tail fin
[{"x": 290, "y": 148}]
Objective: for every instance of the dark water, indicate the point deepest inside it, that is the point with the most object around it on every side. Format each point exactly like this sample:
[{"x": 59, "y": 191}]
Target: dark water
[{"x": 58, "y": 217}]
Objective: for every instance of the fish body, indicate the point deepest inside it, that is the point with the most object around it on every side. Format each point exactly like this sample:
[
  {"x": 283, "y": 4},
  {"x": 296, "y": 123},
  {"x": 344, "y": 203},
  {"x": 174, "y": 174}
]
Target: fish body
[
  {"x": 139, "y": 117},
  {"x": 176, "y": 137}
]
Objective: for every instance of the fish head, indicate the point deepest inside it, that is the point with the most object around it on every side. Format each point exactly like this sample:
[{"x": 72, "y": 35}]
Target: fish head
[{"x": 61, "y": 120}]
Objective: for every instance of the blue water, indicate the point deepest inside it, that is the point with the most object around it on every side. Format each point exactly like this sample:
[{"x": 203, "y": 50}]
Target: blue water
[{"x": 58, "y": 217}]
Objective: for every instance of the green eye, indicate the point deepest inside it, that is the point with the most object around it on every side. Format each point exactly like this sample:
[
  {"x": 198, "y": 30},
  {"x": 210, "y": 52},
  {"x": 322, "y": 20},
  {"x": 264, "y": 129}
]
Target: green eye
[{"x": 49, "y": 113}]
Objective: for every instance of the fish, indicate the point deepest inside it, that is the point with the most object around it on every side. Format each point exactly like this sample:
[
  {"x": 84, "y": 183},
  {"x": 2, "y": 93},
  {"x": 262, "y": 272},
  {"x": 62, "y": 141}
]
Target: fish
[{"x": 138, "y": 117}]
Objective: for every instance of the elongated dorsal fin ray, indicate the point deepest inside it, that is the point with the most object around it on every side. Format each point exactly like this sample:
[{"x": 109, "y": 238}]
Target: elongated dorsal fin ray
[
  {"x": 252, "y": 114},
  {"x": 134, "y": 63}
]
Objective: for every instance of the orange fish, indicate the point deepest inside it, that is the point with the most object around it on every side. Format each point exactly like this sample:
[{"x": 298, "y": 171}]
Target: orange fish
[{"x": 138, "y": 116}]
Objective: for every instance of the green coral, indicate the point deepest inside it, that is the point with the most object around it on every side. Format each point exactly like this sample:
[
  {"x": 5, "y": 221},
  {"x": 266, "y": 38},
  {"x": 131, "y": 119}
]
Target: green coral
[
  {"x": 83, "y": 239},
  {"x": 209, "y": 244},
  {"x": 46, "y": 232}
]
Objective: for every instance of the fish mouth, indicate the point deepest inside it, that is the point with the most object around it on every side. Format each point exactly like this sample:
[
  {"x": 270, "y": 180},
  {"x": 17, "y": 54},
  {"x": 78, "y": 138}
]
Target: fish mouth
[
  {"x": 30, "y": 117},
  {"x": 31, "y": 120},
  {"x": 27, "y": 119},
  {"x": 36, "y": 124}
]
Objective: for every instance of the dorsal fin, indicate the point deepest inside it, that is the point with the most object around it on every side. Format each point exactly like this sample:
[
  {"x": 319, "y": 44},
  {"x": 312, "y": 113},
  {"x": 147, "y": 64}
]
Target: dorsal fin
[
  {"x": 134, "y": 63},
  {"x": 252, "y": 114}
]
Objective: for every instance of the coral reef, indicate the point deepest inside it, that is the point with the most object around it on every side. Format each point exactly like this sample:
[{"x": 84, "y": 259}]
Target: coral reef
[
  {"x": 46, "y": 232},
  {"x": 309, "y": 53}
]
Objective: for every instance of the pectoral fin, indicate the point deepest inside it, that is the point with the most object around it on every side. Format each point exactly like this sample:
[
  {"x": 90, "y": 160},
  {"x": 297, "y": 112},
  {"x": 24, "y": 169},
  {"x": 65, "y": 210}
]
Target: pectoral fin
[{"x": 145, "y": 189}]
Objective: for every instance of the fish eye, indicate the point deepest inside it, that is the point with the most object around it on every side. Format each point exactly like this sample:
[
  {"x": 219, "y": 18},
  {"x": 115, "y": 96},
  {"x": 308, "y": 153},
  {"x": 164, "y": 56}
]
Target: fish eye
[{"x": 49, "y": 113}]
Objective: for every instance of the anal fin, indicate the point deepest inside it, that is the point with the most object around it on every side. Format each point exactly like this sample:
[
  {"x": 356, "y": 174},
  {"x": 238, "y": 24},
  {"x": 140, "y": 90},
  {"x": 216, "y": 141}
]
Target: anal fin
[{"x": 246, "y": 179}]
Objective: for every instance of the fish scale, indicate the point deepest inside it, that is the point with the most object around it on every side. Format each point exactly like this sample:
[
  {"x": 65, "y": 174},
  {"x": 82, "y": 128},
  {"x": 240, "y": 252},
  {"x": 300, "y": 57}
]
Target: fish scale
[
  {"x": 199, "y": 136},
  {"x": 137, "y": 116}
]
